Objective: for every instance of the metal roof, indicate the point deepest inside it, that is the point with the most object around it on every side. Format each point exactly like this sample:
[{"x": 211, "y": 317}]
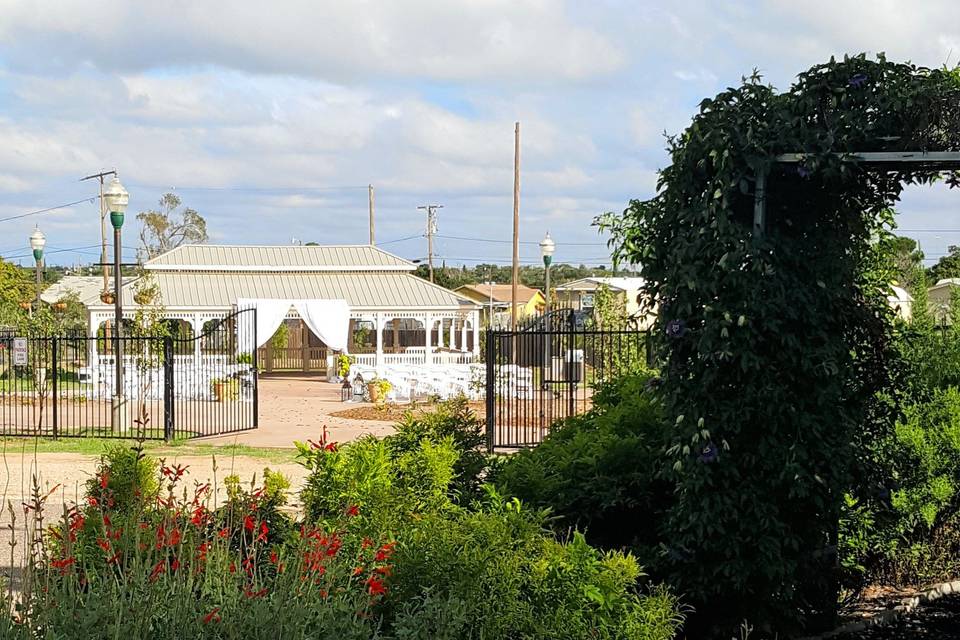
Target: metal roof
[
  {"x": 501, "y": 292},
  {"x": 385, "y": 290},
  {"x": 592, "y": 283},
  {"x": 86, "y": 287},
  {"x": 213, "y": 257}
]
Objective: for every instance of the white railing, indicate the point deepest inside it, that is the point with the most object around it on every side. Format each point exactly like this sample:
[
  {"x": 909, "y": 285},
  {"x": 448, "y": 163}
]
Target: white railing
[{"x": 413, "y": 357}]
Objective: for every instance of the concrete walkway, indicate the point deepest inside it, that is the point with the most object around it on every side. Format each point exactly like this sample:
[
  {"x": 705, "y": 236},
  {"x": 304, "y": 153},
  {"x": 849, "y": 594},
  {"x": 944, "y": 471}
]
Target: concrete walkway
[{"x": 297, "y": 408}]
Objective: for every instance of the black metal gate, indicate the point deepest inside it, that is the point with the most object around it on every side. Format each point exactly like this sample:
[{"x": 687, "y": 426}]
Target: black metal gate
[
  {"x": 548, "y": 370},
  {"x": 166, "y": 387}
]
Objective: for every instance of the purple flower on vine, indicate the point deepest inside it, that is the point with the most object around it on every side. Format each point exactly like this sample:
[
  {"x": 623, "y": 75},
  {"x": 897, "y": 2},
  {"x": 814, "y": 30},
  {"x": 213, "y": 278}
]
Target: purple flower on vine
[
  {"x": 676, "y": 329},
  {"x": 802, "y": 171},
  {"x": 857, "y": 80},
  {"x": 708, "y": 454}
]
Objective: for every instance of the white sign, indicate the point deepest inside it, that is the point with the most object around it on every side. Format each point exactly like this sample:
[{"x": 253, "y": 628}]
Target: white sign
[{"x": 19, "y": 352}]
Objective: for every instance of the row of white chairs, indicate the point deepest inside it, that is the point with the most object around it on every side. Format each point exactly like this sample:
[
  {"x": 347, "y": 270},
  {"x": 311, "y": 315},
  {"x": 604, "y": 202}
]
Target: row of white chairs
[{"x": 447, "y": 381}]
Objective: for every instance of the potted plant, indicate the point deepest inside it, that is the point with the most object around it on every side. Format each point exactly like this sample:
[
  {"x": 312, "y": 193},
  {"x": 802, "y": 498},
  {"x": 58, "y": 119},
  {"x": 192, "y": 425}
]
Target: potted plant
[
  {"x": 343, "y": 362},
  {"x": 377, "y": 389},
  {"x": 60, "y": 305},
  {"x": 107, "y": 297},
  {"x": 225, "y": 389},
  {"x": 245, "y": 358}
]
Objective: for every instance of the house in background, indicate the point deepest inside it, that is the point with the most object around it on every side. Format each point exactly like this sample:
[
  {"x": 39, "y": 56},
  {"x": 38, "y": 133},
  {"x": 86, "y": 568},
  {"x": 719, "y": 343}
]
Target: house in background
[
  {"x": 85, "y": 287},
  {"x": 496, "y": 300},
  {"x": 939, "y": 297},
  {"x": 581, "y": 295},
  {"x": 901, "y": 302}
]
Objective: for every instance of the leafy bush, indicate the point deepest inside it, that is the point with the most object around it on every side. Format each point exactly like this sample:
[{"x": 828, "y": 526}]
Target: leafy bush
[
  {"x": 451, "y": 419},
  {"x": 125, "y": 479},
  {"x": 599, "y": 471}
]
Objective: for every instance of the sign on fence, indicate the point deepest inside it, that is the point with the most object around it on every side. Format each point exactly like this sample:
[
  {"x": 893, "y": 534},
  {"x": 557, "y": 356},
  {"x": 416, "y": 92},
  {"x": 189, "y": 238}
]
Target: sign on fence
[{"x": 20, "y": 352}]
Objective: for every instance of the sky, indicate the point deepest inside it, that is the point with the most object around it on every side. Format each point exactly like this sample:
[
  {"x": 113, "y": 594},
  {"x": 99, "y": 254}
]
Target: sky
[{"x": 271, "y": 118}]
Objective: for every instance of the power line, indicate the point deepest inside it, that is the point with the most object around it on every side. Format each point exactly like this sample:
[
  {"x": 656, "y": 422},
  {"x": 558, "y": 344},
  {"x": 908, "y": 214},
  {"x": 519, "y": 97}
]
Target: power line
[
  {"x": 566, "y": 244},
  {"x": 262, "y": 189},
  {"x": 400, "y": 240},
  {"x": 39, "y": 211}
]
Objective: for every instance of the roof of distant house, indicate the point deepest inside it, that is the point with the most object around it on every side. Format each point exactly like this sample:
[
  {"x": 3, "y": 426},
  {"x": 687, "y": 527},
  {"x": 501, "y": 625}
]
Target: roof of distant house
[
  {"x": 946, "y": 282},
  {"x": 87, "y": 288},
  {"x": 292, "y": 258},
  {"x": 592, "y": 283},
  {"x": 501, "y": 292}
]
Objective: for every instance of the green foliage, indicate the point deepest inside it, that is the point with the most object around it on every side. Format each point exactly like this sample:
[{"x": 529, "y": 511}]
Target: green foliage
[
  {"x": 455, "y": 421},
  {"x": 531, "y": 276},
  {"x": 125, "y": 480},
  {"x": 343, "y": 365},
  {"x": 774, "y": 345},
  {"x": 947, "y": 266},
  {"x": 15, "y": 287},
  {"x": 600, "y": 471},
  {"x": 281, "y": 337}
]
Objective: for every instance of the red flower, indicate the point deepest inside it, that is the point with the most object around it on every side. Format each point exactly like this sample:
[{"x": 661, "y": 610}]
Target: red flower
[
  {"x": 357, "y": 571},
  {"x": 224, "y": 533},
  {"x": 254, "y": 594},
  {"x": 92, "y": 501},
  {"x": 375, "y": 586},
  {"x": 384, "y": 571},
  {"x": 213, "y": 616},
  {"x": 264, "y": 530},
  {"x": 175, "y": 537},
  {"x": 104, "y": 544},
  {"x": 175, "y": 565},
  {"x": 273, "y": 557},
  {"x": 199, "y": 517},
  {"x": 353, "y": 510},
  {"x": 233, "y": 568},
  {"x": 160, "y": 567},
  {"x": 104, "y": 478},
  {"x": 202, "y": 551},
  {"x": 248, "y": 523},
  {"x": 366, "y": 544},
  {"x": 114, "y": 559},
  {"x": 63, "y": 564}
]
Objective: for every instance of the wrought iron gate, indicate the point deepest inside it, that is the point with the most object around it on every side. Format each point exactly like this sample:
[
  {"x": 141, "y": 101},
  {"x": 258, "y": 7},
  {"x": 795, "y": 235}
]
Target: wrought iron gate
[
  {"x": 165, "y": 387},
  {"x": 548, "y": 370}
]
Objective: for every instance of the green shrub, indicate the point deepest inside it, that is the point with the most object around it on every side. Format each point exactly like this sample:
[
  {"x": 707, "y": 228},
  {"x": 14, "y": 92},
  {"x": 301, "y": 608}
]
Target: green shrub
[
  {"x": 126, "y": 479},
  {"x": 451, "y": 419},
  {"x": 599, "y": 471}
]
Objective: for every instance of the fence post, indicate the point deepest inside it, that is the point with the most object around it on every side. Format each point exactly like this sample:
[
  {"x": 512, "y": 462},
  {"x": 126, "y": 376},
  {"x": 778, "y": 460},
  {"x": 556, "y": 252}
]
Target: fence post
[
  {"x": 648, "y": 347},
  {"x": 490, "y": 357},
  {"x": 56, "y": 390},
  {"x": 168, "y": 389},
  {"x": 256, "y": 372}
]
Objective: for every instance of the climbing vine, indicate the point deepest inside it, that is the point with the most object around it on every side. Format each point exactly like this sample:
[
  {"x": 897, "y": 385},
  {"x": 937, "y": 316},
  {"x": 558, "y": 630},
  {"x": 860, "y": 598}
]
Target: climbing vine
[{"x": 775, "y": 344}]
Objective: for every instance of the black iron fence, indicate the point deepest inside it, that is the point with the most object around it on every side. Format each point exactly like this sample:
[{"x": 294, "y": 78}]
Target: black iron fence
[
  {"x": 165, "y": 387},
  {"x": 548, "y": 371}
]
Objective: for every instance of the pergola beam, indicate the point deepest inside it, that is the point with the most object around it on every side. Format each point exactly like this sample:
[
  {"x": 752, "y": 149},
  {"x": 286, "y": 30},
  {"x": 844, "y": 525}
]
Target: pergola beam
[{"x": 948, "y": 159}]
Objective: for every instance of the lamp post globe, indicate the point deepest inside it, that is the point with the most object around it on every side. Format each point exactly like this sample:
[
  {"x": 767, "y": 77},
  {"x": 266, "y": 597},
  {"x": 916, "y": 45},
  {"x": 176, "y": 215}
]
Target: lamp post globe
[
  {"x": 116, "y": 198},
  {"x": 547, "y": 247},
  {"x": 37, "y": 242}
]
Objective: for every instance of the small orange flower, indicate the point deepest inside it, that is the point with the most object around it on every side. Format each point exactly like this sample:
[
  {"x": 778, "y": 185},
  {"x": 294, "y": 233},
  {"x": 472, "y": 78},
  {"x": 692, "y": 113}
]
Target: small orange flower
[{"x": 213, "y": 616}]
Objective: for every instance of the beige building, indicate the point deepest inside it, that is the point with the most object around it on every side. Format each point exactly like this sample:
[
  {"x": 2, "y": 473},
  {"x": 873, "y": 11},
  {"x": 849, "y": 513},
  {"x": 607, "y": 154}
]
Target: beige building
[
  {"x": 581, "y": 295},
  {"x": 496, "y": 301},
  {"x": 392, "y": 316},
  {"x": 939, "y": 298}
]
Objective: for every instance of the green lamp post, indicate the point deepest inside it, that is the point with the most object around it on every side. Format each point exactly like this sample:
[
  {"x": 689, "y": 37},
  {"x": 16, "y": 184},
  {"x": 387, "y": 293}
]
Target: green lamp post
[
  {"x": 37, "y": 242},
  {"x": 116, "y": 199}
]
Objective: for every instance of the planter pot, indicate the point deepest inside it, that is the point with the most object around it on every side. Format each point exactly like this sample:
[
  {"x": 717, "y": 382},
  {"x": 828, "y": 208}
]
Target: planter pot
[
  {"x": 225, "y": 391},
  {"x": 373, "y": 390},
  {"x": 107, "y": 298},
  {"x": 59, "y": 306}
]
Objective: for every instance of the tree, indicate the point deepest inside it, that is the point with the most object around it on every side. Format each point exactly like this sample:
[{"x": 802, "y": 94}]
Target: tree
[
  {"x": 907, "y": 262},
  {"x": 947, "y": 267},
  {"x": 15, "y": 287},
  {"x": 167, "y": 228}
]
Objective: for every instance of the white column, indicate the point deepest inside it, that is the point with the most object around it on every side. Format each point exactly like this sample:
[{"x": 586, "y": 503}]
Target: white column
[
  {"x": 453, "y": 324},
  {"x": 93, "y": 357},
  {"x": 428, "y": 324},
  {"x": 475, "y": 315},
  {"x": 379, "y": 323},
  {"x": 197, "y": 324},
  {"x": 463, "y": 334}
]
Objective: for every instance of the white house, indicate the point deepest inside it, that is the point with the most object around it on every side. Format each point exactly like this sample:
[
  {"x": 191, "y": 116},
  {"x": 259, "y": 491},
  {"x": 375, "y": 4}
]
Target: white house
[{"x": 581, "y": 295}]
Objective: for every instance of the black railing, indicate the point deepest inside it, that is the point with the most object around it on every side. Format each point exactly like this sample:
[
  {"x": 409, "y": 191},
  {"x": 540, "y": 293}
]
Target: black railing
[
  {"x": 542, "y": 374},
  {"x": 60, "y": 386}
]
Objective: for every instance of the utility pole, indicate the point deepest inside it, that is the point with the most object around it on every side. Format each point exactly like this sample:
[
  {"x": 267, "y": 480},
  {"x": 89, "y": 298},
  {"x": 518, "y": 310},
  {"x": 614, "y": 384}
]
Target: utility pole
[
  {"x": 516, "y": 227},
  {"x": 431, "y": 210},
  {"x": 370, "y": 202},
  {"x": 103, "y": 226}
]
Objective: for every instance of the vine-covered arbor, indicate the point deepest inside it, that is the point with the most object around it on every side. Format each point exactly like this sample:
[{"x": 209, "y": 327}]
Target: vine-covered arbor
[{"x": 760, "y": 249}]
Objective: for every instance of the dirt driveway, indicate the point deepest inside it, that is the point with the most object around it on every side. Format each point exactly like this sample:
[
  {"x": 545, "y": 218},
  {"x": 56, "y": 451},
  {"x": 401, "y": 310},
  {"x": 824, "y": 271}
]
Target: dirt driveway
[{"x": 297, "y": 408}]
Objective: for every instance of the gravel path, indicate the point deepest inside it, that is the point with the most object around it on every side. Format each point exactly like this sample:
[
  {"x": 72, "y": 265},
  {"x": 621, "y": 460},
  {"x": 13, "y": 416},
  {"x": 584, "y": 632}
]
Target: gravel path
[{"x": 937, "y": 620}]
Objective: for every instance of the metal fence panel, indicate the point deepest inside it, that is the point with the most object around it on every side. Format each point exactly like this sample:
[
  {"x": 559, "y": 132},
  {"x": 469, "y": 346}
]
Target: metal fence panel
[
  {"x": 548, "y": 372},
  {"x": 68, "y": 386}
]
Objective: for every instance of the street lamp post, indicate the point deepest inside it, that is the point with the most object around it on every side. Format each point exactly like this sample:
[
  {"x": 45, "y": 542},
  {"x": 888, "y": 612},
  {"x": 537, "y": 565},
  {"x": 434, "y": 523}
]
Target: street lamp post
[
  {"x": 547, "y": 247},
  {"x": 116, "y": 199},
  {"x": 37, "y": 242}
]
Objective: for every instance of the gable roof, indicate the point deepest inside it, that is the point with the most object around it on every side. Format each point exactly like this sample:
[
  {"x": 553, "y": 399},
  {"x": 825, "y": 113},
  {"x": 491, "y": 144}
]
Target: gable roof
[
  {"x": 294, "y": 258},
  {"x": 87, "y": 288},
  {"x": 501, "y": 292},
  {"x": 592, "y": 283}
]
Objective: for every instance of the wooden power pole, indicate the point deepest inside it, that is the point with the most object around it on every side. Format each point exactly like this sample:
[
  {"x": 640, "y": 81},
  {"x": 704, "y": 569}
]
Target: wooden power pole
[
  {"x": 370, "y": 201},
  {"x": 516, "y": 228},
  {"x": 431, "y": 210},
  {"x": 103, "y": 227}
]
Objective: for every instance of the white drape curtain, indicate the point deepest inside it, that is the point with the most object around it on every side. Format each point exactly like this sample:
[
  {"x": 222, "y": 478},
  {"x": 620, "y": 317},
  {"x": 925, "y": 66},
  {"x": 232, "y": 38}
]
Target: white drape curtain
[{"x": 329, "y": 320}]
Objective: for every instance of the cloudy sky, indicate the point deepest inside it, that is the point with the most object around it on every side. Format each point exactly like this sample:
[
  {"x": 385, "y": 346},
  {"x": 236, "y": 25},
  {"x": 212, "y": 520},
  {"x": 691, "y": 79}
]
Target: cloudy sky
[{"x": 270, "y": 118}]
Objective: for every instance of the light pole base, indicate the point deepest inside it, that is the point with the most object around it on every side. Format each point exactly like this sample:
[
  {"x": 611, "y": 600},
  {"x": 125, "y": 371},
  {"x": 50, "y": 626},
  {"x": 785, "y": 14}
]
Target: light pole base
[{"x": 119, "y": 414}]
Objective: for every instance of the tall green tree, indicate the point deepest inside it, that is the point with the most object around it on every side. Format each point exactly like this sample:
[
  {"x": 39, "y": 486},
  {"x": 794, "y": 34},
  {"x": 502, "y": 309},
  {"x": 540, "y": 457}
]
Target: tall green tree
[
  {"x": 947, "y": 267},
  {"x": 169, "y": 226},
  {"x": 907, "y": 259},
  {"x": 15, "y": 287}
]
